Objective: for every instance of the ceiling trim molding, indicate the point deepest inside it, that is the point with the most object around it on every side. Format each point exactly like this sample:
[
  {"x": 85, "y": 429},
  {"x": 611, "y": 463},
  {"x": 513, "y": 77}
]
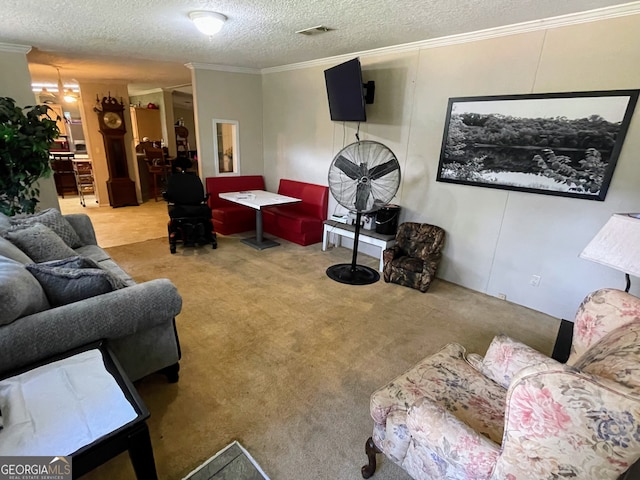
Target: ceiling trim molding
[
  {"x": 146, "y": 92},
  {"x": 13, "y": 48},
  {"x": 632, "y": 8},
  {"x": 222, "y": 68}
]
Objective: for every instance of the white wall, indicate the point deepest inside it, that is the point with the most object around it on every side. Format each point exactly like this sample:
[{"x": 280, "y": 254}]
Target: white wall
[
  {"x": 496, "y": 239},
  {"x": 228, "y": 96},
  {"x": 15, "y": 82}
]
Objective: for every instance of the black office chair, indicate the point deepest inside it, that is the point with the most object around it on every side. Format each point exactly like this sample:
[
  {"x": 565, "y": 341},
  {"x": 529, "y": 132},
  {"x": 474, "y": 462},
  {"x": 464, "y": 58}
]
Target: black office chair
[{"x": 190, "y": 216}]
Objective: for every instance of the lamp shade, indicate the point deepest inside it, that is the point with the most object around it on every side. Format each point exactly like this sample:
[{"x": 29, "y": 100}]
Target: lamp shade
[
  {"x": 208, "y": 23},
  {"x": 617, "y": 244}
]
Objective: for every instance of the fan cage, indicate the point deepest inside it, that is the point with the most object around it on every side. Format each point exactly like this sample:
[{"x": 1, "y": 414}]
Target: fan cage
[{"x": 364, "y": 176}]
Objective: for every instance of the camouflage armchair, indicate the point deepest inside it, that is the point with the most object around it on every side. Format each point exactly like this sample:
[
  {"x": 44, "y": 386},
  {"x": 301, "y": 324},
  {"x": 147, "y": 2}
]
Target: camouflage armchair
[{"x": 415, "y": 257}]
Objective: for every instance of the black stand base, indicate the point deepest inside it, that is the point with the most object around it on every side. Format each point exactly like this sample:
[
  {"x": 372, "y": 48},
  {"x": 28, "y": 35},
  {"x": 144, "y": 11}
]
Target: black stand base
[
  {"x": 352, "y": 273},
  {"x": 346, "y": 273},
  {"x": 259, "y": 244}
]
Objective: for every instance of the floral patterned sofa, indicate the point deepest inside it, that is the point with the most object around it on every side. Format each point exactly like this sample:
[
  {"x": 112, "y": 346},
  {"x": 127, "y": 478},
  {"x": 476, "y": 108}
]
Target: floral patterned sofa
[{"x": 517, "y": 414}]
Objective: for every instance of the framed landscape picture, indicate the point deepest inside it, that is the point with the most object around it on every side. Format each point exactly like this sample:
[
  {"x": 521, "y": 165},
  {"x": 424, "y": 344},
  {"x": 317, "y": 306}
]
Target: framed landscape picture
[{"x": 564, "y": 144}]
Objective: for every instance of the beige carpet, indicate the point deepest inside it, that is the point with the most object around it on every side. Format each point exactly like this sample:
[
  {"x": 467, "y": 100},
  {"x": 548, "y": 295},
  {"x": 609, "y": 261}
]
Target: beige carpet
[{"x": 282, "y": 359}]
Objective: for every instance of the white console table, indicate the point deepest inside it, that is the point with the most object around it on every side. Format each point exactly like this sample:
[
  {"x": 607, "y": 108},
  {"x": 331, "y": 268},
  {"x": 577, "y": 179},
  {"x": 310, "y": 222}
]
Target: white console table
[{"x": 366, "y": 236}]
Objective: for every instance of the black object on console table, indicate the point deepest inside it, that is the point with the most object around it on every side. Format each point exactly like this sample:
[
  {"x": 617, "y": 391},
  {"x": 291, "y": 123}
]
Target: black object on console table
[{"x": 562, "y": 347}]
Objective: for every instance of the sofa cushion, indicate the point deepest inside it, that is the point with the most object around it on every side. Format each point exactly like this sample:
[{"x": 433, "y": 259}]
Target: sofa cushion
[
  {"x": 53, "y": 219},
  {"x": 73, "y": 279},
  {"x": 114, "y": 269},
  {"x": 292, "y": 220},
  {"x": 20, "y": 292},
  {"x": 505, "y": 357},
  {"x": 616, "y": 356},
  {"x": 39, "y": 242},
  {"x": 94, "y": 252},
  {"x": 410, "y": 264},
  {"x": 233, "y": 214},
  {"x": 446, "y": 379},
  {"x": 9, "y": 250}
]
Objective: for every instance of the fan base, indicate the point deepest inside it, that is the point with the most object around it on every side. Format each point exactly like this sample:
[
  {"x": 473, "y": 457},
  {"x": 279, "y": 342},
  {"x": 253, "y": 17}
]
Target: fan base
[{"x": 345, "y": 273}]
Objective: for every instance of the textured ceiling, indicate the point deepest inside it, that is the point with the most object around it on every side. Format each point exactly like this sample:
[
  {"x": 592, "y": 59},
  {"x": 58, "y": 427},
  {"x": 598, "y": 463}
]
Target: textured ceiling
[{"x": 147, "y": 42}]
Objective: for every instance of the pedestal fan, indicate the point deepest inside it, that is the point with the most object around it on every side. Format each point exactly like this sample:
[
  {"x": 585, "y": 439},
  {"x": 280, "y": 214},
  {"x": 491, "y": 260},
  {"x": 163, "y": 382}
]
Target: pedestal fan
[{"x": 363, "y": 177}]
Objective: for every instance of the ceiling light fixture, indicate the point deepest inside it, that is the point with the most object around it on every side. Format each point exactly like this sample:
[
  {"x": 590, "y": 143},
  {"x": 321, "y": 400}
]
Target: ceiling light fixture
[
  {"x": 70, "y": 96},
  {"x": 48, "y": 92},
  {"x": 208, "y": 23}
]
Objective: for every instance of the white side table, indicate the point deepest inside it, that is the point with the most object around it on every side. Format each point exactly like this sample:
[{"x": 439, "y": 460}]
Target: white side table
[{"x": 366, "y": 236}]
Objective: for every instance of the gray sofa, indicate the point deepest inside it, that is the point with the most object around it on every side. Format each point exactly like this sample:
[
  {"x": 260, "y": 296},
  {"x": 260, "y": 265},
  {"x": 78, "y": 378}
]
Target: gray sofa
[{"x": 137, "y": 320}]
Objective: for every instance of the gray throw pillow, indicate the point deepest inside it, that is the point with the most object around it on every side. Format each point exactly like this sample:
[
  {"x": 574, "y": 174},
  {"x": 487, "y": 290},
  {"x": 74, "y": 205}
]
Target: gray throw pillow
[
  {"x": 5, "y": 223},
  {"x": 73, "y": 279},
  {"x": 39, "y": 242},
  {"x": 9, "y": 250},
  {"x": 20, "y": 292},
  {"x": 53, "y": 219}
]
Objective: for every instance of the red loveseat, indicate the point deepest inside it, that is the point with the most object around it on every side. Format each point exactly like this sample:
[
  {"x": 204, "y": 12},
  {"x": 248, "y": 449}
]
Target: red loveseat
[
  {"x": 229, "y": 217},
  {"x": 300, "y": 222}
]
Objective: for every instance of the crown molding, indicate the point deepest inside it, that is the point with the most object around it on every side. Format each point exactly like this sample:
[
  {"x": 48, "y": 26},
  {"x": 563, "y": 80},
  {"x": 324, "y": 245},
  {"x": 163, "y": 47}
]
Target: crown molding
[
  {"x": 221, "y": 68},
  {"x": 13, "y": 48},
  {"x": 632, "y": 8},
  {"x": 146, "y": 92}
]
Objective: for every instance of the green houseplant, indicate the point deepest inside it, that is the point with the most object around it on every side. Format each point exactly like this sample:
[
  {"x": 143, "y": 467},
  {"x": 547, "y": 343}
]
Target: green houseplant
[{"x": 26, "y": 135}]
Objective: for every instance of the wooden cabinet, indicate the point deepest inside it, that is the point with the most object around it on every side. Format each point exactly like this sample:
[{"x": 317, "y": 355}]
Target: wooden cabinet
[
  {"x": 146, "y": 122},
  {"x": 63, "y": 174}
]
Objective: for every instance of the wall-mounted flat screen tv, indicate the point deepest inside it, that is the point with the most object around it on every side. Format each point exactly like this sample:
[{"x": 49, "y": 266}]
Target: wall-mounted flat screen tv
[{"x": 346, "y": 93}]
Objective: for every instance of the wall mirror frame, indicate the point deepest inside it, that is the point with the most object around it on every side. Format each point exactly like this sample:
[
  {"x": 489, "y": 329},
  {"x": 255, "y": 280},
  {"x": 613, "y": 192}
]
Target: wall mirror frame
[{"x": 226, "y": 146}]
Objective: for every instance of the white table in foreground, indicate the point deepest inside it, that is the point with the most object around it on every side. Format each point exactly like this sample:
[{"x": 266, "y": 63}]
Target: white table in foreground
[
  {"x": 366, "y": 236},
  {"x": 257, "y": 199}
]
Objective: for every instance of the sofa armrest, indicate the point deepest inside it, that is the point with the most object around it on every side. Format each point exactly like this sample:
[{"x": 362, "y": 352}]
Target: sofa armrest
[
  {"x": 505, "y": 357},
  {"x": 559, "y": 417},
  {"x": 475, "y": 361},
  {"x": 81, "y": 223},
  {"x": 435, "y": 430},
  {"x": 111, "y": 315},
  {"x": 431, "y": 262},
  {"x": 391, "y": 253}
]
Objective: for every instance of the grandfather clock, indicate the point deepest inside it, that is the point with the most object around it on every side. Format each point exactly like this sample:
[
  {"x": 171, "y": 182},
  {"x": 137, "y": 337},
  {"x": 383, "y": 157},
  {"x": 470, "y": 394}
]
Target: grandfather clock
[{"x": 122, "y": 190}]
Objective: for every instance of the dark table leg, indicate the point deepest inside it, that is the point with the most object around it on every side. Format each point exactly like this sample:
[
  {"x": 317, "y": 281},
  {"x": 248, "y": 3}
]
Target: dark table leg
[
  {"x": 141, "y": 453},
  {"x": 259, "y": 242},
  {"x": 259, "y": 226}
]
